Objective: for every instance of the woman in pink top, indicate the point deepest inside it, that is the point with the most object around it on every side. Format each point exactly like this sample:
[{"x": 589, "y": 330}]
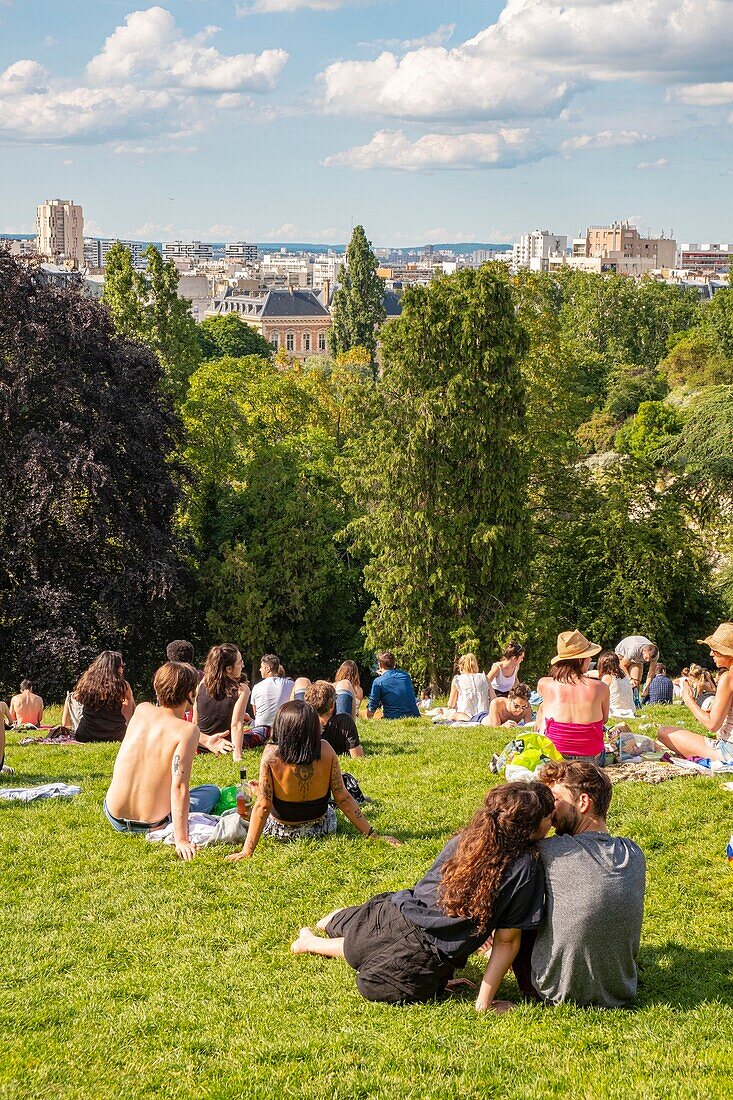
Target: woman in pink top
[{"x": 574, "y": 705}]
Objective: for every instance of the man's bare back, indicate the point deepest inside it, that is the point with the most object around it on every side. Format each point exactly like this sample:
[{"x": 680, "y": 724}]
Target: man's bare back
[
  {"x": 156, "y": 754},
  {"x": 26, "y": 708}
]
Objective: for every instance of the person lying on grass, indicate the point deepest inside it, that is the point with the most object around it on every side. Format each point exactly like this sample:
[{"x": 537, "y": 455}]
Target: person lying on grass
[
  {"x": 298, "y": 775},
  {"x": 513, "y": 710},
  {"x": 719, "y": 719},
  {"x": 585, "y": 949},
  {"x": 153, "y": 766},
  {"x": 487, "y": 882}
]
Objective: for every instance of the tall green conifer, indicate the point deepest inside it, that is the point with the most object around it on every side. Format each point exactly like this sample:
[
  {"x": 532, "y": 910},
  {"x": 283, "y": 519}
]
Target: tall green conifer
[
  {"x": 439, "y": 476},
  {"x": 358, "y": 304}
]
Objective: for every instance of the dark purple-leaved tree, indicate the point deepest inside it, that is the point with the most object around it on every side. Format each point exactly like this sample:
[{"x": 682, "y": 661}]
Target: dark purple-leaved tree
[{"x": 87, "y": 551}]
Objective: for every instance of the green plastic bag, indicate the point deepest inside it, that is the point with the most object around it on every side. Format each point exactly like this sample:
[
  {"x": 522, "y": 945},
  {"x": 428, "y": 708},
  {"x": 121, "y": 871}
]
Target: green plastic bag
[
  {"x": 523, "y": 756},
  {"x": 227, "y": 800}
]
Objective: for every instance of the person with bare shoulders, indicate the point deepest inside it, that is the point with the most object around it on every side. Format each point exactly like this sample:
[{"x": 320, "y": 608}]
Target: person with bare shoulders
[
  {"x": 221, "y": 703},
  {"x": 504, "y": 673},
  {"x": 575, "y": 706},
  {"x": 719, "y": 719},
  {"x": 26, "y": 708},
  {"x": 514, "y": 711},
  {"x": 349, "y": 692},
  {"x": 298, "y": 775},
  {"x": 150, "y": 779},
  {"x": 105, "y": 698}
]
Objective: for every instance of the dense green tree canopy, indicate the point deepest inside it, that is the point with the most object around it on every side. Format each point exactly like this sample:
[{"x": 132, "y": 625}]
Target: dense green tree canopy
[
  {"x": 88, "y": 547},
  {"x": 145, "y": 307},
  {"x": 230, "y": 335},
  {"x": 439, "y": 476}
]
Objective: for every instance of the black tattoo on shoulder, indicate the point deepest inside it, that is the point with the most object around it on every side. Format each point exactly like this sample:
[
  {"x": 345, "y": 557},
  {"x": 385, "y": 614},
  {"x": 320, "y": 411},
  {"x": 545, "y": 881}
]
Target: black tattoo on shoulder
[{"x": 176, "y": 764}]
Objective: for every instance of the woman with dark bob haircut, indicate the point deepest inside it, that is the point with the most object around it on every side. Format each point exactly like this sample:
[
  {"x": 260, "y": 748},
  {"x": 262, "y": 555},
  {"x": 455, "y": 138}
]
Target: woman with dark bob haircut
[
  {"x": 487, "y": 882},
  {"x": 298, "y": 774}
]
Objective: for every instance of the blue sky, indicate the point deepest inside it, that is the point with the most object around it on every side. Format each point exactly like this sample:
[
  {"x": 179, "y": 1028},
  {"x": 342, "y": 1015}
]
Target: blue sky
[{"x": 422, "y": 119}]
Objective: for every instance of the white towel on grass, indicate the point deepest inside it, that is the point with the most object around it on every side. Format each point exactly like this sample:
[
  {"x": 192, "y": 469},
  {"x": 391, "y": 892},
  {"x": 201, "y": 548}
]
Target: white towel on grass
[
  {"x": 32, "y": 794},
  {"x": 205, "y": 829}
]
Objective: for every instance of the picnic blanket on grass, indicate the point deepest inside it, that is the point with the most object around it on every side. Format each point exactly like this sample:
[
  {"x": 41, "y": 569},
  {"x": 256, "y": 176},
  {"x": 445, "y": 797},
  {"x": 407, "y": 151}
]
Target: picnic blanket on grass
[{"x": 645, "y": 771}]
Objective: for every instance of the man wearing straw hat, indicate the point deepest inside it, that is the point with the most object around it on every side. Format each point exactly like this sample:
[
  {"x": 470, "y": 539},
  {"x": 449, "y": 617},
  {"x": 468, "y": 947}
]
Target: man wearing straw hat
[{"x": 719, "y": 719}]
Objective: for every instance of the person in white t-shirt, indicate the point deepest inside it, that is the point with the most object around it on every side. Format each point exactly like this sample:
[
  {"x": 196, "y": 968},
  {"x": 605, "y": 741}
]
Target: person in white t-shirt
[
  {"x": 270, "y": 693},
  {"x": 633, "y": 653}
]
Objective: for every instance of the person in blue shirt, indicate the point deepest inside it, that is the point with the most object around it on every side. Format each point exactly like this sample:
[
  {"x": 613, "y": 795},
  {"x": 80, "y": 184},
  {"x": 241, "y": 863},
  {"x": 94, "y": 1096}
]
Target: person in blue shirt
[
  {"x": 392, "y": 690},
  {"x": 661, "y": 688}
]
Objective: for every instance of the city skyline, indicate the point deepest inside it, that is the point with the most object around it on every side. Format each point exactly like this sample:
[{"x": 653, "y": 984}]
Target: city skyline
[{"x": 292, "y": 120}]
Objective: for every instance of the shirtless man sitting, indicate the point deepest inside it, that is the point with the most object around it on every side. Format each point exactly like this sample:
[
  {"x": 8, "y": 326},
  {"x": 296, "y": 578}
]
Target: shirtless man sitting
[
  {"x": 153, "y": 767},
  {"x": 26, "y": 709}
]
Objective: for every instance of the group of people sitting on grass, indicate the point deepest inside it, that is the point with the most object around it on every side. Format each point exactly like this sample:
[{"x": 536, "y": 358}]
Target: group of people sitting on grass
[{"x": 565, "y": 912}]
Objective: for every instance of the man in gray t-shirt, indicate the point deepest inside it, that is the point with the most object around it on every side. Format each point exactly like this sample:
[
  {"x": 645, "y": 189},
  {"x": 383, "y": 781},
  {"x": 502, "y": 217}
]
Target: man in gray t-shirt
[
  {"x": 585, "y": 950},
  {"x": 633, "y": 653}
]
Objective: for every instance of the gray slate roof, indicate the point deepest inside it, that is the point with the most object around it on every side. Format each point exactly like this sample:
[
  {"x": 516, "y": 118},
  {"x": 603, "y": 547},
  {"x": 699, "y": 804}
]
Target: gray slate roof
[{"x": 299, "y": 303}]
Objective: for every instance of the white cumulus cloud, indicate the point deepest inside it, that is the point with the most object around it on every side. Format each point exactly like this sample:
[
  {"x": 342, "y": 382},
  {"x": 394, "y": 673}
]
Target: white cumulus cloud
[
  {"x": 150, "y": 49},
  {"x": 269, "y": 7},
  {"x": 148, "y": 80},
  {"x": 705, "y": 95},
  {"x": 504, "y": 148},
  {"x": 647, "y": 165},
  {"x": 605, "y": 139},
  {"x": 536, "y": 55}
]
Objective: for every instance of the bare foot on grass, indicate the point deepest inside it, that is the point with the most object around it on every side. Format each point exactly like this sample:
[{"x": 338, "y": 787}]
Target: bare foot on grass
[{"x": 304, "y": 942}]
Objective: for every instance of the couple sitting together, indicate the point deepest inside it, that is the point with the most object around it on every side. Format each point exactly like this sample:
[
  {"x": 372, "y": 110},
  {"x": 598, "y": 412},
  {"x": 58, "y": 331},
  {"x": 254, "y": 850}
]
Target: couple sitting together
[
  {"x": 299, "y": 773},
  {"x": 565, "y": 912}
]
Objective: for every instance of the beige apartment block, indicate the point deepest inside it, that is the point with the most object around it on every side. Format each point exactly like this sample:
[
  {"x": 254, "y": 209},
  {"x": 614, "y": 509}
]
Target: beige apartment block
[
  {"x": 60, "y": 231},
  {"x": 621, "y": 240}
]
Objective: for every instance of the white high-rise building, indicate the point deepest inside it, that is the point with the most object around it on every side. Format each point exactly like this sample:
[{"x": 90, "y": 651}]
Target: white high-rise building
[
  {"x": 534, "y": 249},
  {"x": 60, "y": 231},
  {"x": 188, "y": 250},
  {"x": 242, "y": 252}
]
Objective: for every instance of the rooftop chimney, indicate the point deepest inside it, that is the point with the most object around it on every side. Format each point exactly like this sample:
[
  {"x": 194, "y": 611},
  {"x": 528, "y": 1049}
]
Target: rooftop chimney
[{"x": 326, "y": 292}]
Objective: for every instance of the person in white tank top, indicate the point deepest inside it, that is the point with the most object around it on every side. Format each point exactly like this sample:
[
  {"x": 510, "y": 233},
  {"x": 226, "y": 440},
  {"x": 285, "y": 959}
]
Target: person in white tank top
[
  {"x": 719, "y": 719},
  {"x": 503, "y": 674},
  {"x": 619, "y": 684}
]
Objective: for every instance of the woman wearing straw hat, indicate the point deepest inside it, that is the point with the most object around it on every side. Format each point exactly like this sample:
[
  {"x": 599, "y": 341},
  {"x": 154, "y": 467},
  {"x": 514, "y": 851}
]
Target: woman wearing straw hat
[
  {"x": 719, "y": 719},
  {"x": 575, "y": 706}
]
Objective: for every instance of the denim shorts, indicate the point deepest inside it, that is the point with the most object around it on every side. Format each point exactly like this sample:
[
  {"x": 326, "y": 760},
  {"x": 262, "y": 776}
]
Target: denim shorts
[
  {"x": 725, "y": 748},
  {"x": 122, "y": 825}
]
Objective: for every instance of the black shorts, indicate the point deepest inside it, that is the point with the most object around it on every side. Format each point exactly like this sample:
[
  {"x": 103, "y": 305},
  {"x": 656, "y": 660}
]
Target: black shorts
[{"x": 396, "y": 964}]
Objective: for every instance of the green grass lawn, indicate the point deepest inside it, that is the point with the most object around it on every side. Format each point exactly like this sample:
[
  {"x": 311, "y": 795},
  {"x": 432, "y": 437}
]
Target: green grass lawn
[{"x": 126, "y": 974}]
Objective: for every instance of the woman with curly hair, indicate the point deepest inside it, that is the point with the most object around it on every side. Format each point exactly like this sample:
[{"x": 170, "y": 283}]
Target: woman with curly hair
[
  {"x": 106, "y": 699},
  {"x": 487, "y": 882}
]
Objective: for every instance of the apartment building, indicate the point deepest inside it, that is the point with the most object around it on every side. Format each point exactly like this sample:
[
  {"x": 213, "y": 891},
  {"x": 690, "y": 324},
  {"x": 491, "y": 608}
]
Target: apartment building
[
  {"x": 295, "y": 320},
  {"x": 97, "y": 249},
  {"x": 705, "y": 257},
  {"x": 534, "y": 249},
  {"x": 60, "y": 231},
  {"x": 19, "y": 246},
  {"x": 191, "y": 251},
  {"x": 241, "y": 252},
  {"x": 622, "y": 241}
]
